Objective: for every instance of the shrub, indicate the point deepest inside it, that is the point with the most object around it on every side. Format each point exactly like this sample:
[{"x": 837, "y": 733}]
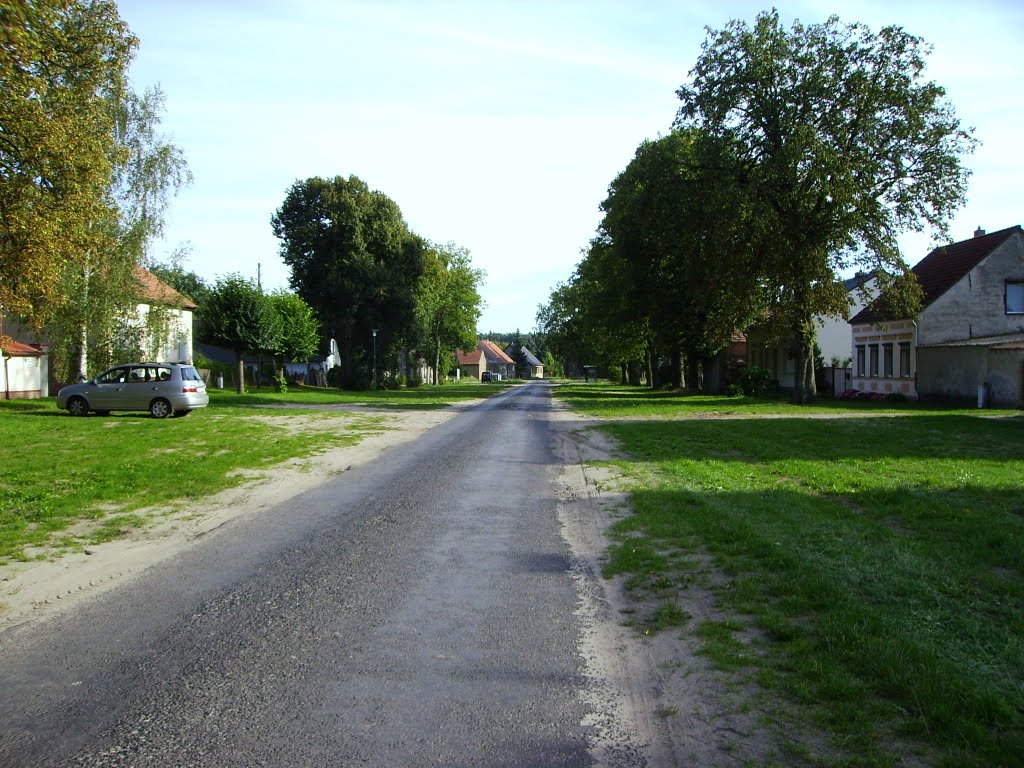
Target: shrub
[
  {"x": 754, "y": 380},
  {"x": 733, "y": 390},
  {"x": 280, "y": 383}
]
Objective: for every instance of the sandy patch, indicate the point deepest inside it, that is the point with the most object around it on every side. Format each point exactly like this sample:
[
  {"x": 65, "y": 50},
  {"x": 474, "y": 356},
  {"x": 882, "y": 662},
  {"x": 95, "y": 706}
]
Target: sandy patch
[
  {"x": 653, "y": 699},
  {"x": 37, "y": 590}
]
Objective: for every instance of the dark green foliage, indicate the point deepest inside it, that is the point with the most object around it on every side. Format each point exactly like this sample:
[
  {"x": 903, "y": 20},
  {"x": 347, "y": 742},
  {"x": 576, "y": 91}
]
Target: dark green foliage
[
  {"x": 841, "y": 146},
  {"x": 754, "y": 380},
  {"x": 238, "y": 315},
  {"x": 354, "y": 260}
]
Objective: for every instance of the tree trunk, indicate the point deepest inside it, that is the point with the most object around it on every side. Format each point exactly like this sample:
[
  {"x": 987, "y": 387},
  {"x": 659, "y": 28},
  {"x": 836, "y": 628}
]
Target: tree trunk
[
  {"x": 677, "y": 367},
  {"x": 693, "y": 373},
  {"x": 633, "y": 369},
  {"x": 625, "y": 373},
  {"x": 83, "y": 335},
  {"x": 804, "y": 387},
  {"x": 241, "y": 372},
  {"x": 712, "y": 367},
  {"x": 651, "y": 366},
  {"x": 437, "y": 360}
]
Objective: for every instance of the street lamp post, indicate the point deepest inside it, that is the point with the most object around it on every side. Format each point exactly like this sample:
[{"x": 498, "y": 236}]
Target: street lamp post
[{"x": 374, "y": 384}]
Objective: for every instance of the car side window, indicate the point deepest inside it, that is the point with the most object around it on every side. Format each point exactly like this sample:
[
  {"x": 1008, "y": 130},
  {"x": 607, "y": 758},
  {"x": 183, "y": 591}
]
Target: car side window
[
  {"x": 163, "y": 374},
  {"x": 137, "y": 375},
  {"x": 113, "y": 376}
]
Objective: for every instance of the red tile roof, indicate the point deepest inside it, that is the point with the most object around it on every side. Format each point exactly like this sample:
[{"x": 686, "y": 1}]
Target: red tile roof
[
  {"x": 494, "y": 353},
  {"x": 14, "y": 348},
  {"x": 941, "y": 269},
  {"x": 156, "y": 291},
  {"x": 469, "y": 358}
]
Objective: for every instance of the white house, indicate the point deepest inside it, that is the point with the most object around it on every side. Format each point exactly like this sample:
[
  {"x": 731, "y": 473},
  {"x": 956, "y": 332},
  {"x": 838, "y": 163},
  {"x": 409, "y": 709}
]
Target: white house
[
  {"x": 969, "y": 333},
  {"x": 176, "y": 343}
]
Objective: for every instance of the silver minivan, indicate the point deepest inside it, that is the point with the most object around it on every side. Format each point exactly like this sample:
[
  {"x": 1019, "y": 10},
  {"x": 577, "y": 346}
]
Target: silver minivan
[{"x": 163, "y": 389}]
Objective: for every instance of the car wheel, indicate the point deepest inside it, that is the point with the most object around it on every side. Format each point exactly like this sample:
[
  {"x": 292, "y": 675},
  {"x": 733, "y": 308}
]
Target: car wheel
[
  {"x": 78, "y": 407},
  {"x": 160, "y": 409}
]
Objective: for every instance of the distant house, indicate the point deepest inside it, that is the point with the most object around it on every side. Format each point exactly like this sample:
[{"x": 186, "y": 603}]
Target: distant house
[
  {"x": 471, "y": 363},
  {"x": 23, "y": 371},
  {"x": 832, "y": 336},
  {"x": 533, "y": 368},
  {"x": 497, "y": 361},
  {"x": 969, "y": 333}
]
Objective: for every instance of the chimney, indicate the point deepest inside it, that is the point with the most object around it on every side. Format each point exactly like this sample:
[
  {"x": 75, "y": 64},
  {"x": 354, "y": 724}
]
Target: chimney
[{"x": 979, "y": 232}]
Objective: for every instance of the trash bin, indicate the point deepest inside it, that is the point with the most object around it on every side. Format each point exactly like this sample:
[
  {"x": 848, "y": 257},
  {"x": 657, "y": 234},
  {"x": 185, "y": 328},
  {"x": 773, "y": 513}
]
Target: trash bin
[
  {"x": 220, "y": 381},
  {"x": 983, "y": 395}
]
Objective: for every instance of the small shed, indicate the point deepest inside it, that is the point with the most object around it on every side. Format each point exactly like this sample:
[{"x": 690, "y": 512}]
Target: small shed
[{"x": 23, "y": 372}]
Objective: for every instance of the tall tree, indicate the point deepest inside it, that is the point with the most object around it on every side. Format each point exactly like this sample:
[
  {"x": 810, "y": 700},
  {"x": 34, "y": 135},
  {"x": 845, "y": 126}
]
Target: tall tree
[
  {"x": 238, "y": 315},
  {"x": 353, "y": 259},
  {"x": 676, "y": 228},
  {"x": 101, "y": 285},
  {"x": 844, "y": 145},
  {"x": 63, "y": 68},
  {"x": 448, "y": 302}
]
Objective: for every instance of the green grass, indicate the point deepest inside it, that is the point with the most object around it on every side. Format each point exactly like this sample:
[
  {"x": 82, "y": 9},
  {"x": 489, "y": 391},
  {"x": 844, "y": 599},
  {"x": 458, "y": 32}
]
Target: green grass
[
  {"x": 619, "y": 401},
  {"x": 871, "y": 569},
  {"x": 60, "y": 472}
]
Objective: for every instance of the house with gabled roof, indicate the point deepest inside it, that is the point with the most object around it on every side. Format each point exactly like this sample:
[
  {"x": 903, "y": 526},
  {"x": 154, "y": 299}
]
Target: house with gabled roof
[
  {"x": 175, "y": 342},
  {"x": 968, "y": 338},
  {"x": 532, "y": 368},
  {"x": 497, "y": 361},
  {"x": 471, "y": 363}
]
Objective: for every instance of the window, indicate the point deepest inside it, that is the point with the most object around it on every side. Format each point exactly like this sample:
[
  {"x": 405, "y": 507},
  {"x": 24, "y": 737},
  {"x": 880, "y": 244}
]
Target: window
[
  {"x": 1015, "y": 298},
  {"x": 861, "y": 361},
  {"x": 113, "y": 376},
  {"x": 905, "y": 359},
  {"x": 873, "y": 360},
  {"x": 887, "y": 360}
]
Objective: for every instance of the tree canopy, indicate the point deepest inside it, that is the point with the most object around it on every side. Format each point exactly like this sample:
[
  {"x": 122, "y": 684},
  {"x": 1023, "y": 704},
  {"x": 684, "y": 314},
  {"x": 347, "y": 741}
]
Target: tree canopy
[
  {"x": 796, "y": 154},
  {"x": 448, "y": 303},
  {"x": 843, "y": 144},
  {"x": 238, "y": 315},
  {"x": 353, "y": 259},
  {"x": 63, "y": 68}
]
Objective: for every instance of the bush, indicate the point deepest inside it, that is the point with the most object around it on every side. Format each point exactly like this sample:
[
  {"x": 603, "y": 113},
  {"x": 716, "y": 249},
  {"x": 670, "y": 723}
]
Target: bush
[
  {"x": 280, "y": 383},
  {"x": 733, "y": 390},
  {"x": 754, "y": 380}
]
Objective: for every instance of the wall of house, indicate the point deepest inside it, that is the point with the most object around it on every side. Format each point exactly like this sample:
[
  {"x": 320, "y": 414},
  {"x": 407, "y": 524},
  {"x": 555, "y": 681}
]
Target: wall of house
[
  {"x": 871, "y": 336},
  {"x": 834, "y": 333},
  {"x": 176, "y": 346},
  {"x": 976, "y": 305},
  {"x": 21, "y": 378},
  {"x": 954, "y": 373}
]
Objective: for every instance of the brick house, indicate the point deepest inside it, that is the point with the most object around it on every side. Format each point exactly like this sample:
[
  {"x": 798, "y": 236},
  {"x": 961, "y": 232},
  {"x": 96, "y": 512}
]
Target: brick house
[{"x": 968, "y": 335}]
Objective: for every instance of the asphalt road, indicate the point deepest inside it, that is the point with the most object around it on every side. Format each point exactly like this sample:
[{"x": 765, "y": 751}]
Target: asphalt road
[{"x": 413, "y": 612}]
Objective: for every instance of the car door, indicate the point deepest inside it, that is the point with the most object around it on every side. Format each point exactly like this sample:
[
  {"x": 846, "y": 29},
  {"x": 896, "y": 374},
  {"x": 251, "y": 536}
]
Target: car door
[
  {"x": 108, "y": 388},
  {"x": 141, "y": 387}
]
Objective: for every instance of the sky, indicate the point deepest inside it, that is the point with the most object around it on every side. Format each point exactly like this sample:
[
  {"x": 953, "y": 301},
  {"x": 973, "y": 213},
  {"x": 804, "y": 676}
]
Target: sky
[{"x": 494, "y": 124}]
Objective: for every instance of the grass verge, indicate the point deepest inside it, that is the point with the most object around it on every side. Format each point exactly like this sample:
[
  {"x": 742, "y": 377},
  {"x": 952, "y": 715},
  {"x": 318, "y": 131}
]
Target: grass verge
[
  {"x": 872, "y": 569},
  {"x": 60, "y": 472},
  {"x": 414, "y": 398}
]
